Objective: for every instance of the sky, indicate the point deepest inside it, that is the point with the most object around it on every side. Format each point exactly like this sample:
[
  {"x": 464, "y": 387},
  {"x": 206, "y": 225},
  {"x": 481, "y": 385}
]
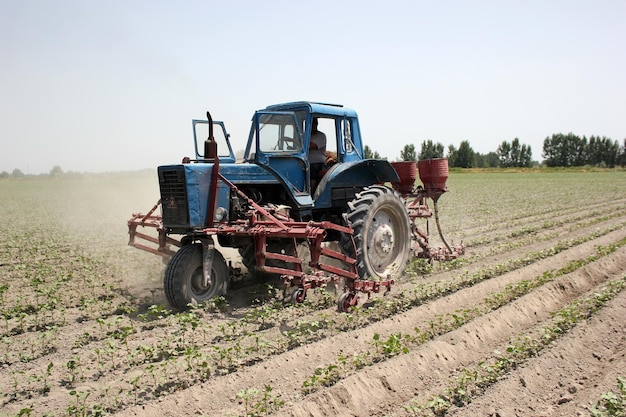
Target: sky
[{"x": 99, "y": 86}]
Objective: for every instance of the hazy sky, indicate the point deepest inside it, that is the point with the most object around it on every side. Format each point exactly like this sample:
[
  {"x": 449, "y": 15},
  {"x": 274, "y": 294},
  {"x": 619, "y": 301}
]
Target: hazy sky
[{"x": 113, "y": 85}]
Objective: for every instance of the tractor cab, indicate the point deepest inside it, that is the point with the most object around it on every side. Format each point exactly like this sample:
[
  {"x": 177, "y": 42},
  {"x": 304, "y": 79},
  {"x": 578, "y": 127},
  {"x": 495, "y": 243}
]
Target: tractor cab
[
  {"x": 277, "y": 142},
  {"x": 280, "y": 139}
]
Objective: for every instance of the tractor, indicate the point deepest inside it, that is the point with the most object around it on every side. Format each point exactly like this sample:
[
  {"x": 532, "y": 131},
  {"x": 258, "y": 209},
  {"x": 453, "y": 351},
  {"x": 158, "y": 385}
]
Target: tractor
[{"x": 354, "y": 226}]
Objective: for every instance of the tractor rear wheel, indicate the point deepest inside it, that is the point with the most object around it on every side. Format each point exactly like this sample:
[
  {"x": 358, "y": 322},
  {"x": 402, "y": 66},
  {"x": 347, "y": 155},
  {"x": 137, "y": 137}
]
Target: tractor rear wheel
[
  {"x": 183, "y": 278},
  {"x": 382, "y": 232}
]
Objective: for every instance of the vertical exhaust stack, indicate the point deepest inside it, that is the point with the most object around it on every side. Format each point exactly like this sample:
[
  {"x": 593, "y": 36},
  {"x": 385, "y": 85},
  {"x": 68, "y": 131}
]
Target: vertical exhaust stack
[
  {"x": 210, "y": 154},
  {"x": 210, "y": 145}
]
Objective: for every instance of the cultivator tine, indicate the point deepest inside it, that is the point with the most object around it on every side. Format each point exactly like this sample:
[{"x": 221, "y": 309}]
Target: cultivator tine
[
  {"x": 151, "y": 220},
  {"x": 208, "y": 250}
]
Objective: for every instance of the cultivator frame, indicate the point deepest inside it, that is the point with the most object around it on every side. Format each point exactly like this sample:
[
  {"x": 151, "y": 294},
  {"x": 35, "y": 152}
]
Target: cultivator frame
[{"x": 260, "y": 224}]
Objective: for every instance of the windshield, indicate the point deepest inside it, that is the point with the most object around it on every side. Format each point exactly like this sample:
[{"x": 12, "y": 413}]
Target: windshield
[{"x": 278, "y": 133}]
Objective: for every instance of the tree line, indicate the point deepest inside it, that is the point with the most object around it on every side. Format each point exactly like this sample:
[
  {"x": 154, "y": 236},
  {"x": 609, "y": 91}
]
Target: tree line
[
  {"x": 559, "y": 150},
  {"x": 569, "y": 150},
  {"x": 56, "y": 171}
]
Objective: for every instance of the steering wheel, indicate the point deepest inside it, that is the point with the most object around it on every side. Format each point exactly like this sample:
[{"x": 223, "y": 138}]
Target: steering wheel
[{"x": 290, "y": 142}]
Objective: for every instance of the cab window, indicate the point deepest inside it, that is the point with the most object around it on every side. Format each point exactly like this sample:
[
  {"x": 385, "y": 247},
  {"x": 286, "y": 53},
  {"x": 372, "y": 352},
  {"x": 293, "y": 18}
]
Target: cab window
[{"x": 278, "y": 133}]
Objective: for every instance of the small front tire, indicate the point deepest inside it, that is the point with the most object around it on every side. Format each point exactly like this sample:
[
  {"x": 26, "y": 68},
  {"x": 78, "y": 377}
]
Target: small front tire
[{"x": 183, "y": 280}]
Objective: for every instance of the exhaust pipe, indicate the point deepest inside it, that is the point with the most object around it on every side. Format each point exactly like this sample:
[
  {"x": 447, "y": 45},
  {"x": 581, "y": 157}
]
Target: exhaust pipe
[{"x": 210, "y": 145}]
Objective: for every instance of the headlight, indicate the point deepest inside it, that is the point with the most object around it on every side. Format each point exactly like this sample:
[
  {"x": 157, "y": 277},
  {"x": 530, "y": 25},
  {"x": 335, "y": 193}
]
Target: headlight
[{"x": 221, "y": 214}]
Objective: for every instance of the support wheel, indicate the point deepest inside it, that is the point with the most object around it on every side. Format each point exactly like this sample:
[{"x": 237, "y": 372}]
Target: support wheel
[
  {"x": 183, "y": 281},
  {"x": 382, "y": 233},
  {"x": 297, "y": 296},
  {"x": 346, "y": 301}
]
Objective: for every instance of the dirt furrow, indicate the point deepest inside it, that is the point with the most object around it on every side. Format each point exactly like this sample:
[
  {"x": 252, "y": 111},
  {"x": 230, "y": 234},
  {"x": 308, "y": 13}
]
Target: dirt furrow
[
  {"x": 143, "y": 337},
  {"x": 286, "y": 372},
  {"x": 566, "y": 379},
  {"x": 551, "y": 219},
  {"x": 426, "y": 371},
  {"x": 73, "y": 340}
]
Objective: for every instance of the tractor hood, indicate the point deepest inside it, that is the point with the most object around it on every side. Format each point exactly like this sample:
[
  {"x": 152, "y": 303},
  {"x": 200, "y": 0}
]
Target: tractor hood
[{"x": 185, "y": 191}]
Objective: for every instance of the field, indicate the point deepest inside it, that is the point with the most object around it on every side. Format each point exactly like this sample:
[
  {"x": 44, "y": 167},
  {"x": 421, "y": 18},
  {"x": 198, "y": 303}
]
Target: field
[{"x": 529, "y": 322}]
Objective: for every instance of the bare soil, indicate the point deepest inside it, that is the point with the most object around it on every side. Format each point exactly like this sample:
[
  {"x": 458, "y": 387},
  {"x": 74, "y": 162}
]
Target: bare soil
[{"x": 123, "y": 353}]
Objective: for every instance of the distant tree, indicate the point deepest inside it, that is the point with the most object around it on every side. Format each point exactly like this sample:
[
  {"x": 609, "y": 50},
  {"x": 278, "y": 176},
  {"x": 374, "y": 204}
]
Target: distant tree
[
  {"x": 452, "y": 156},
  {"x": 490, "y": 160},
  {"x": 4, "y": 174},
  {"x": 579, "y": 149},
  {"x": 514, "y": 154},
  {"x": 479, "y": 160},
  {"x": 526, "y": 156},
  {"x": 56, "y": 171},
  {"x": 622, "y": 158},
  {"x": 602, "y": 151},
  {"x": 431, "y": 150},
  {"x": 369, "y": 154},
  {"x": 504, "y": 154},
  {"x": 594, "y": 151},
  {"x": 408, "y": 153},
  {"x": 465, "y": 155},
  {"x": 17, "y": 173},
  {"x": 571, "y": 150},
  {"x": 553, "y": 150},
  {"x": 561, "y": 150},
  {"x": 516, "y": 148}
]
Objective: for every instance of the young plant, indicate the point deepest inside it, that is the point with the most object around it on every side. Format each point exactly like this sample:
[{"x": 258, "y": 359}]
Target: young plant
[
  {"x": 78, "y": 408},
  {"x": 394, "y": 345},
  {"x": 611, "y": 404},
  {"x": 323, "y": 376},
  {"x": 256, "y": 406}
]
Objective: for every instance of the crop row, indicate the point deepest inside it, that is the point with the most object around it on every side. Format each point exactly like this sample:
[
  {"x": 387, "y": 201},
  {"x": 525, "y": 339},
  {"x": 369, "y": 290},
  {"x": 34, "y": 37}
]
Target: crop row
[
  {"x": 48, "y": 314},
  {"x": 69, "y": 325},
  {"x": 181, "y": 360},
  {"x": 397, "y": 343},
  {"x": 473, "y": 381}
]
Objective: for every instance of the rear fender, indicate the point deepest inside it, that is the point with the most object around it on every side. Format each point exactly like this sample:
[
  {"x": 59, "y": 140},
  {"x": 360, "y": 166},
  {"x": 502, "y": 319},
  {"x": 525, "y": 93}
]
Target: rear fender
[{"x": 353, "y": 175}]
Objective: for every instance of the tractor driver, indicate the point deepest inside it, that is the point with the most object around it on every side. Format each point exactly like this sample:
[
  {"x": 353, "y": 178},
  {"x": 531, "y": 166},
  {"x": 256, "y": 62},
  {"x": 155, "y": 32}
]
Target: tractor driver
[{"x": 317, "y": 153}]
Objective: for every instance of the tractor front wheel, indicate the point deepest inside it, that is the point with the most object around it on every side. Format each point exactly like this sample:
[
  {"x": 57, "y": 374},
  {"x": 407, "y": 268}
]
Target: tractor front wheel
[
  {"x": 183, "y": 279},
  {"x": 382, "y": 232}
]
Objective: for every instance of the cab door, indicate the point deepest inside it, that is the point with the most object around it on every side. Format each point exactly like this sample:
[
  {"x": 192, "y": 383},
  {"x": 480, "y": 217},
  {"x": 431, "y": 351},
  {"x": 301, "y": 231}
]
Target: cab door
[{"x": 280, "y": 148}]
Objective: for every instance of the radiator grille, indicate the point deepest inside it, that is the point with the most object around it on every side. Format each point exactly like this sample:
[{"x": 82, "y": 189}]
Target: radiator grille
[{"x": 174, "y": 197}]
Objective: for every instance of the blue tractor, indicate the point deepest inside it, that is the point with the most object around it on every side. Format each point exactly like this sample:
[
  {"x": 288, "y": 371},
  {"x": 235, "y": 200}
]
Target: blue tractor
[{"x": 356, "y": 229}]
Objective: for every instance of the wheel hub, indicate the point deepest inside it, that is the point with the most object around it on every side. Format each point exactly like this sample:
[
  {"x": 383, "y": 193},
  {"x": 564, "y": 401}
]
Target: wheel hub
[
  {"x": 382, "y": 242},
  {"x": 197, "y": 283}
]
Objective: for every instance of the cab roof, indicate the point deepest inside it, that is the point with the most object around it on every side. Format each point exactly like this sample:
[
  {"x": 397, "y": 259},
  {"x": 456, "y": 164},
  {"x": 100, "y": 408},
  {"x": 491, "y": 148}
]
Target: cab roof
[{"x": 314, "y": 107}]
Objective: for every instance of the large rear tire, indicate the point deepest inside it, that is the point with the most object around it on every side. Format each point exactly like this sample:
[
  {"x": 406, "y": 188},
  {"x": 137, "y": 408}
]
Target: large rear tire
[
  {"x": 183, "y": 281},
  {"x": 382, "y": 232}
]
